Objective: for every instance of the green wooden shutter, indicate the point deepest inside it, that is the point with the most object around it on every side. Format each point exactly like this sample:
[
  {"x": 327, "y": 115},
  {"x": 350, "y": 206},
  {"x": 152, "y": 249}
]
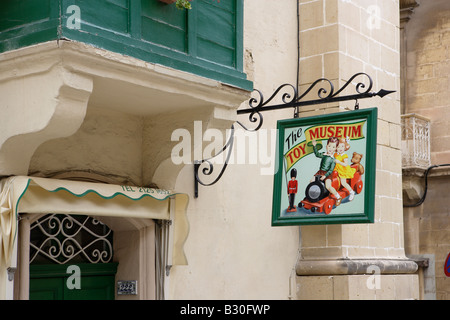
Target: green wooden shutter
[
  {"x": 164, "y": 25},
  {"x": 216, "y": 31}
]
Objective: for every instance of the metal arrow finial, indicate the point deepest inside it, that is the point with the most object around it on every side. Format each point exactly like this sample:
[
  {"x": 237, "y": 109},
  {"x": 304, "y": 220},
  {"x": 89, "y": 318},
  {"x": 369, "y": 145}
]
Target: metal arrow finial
[{"x": 383, "y": 92}]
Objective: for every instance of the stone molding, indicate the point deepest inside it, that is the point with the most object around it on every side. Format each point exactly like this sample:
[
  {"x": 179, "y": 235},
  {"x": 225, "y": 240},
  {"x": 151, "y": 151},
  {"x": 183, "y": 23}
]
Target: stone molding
[
  {"x": 354, "y": 266},
  {"x": 413, "y": 180}
]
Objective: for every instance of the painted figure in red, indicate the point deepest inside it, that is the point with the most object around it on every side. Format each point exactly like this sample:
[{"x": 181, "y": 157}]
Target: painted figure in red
[{"x": 292, "y": 190}]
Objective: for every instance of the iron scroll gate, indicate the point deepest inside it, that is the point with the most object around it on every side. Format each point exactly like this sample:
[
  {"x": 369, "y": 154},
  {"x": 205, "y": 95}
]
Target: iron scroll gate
[{"x": 290, "y": 99}]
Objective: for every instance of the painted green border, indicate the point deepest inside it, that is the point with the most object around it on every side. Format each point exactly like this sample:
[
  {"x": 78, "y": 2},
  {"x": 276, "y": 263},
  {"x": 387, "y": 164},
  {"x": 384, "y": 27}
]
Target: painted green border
[
  {"x": 113, "y": 195},
  {"x": 370, "y": 115}
]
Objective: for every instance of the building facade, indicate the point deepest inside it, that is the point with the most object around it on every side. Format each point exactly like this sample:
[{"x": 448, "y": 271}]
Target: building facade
[
  {"x": 425, "y": 63},
  {"x": 105, "y": 116}
]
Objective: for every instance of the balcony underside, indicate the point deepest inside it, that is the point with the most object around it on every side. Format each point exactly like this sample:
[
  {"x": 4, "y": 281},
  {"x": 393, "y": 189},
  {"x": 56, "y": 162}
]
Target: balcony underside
[{"x": 49, "y": 87}]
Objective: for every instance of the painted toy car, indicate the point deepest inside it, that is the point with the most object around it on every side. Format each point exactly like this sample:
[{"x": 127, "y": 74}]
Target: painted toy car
[{"x": 319, "y": 199}]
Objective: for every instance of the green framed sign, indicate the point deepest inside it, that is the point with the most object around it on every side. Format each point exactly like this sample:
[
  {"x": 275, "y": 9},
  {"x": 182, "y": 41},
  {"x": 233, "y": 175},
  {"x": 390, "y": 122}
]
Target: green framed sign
[{"x": 326, "y": 169}]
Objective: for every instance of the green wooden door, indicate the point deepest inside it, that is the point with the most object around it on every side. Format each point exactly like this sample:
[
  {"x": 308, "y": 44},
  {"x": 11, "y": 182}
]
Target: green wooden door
[{"x": 54, "y": 282}]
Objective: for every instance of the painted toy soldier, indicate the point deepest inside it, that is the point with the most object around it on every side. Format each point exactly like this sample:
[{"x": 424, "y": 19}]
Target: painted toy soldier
[{"x": 292, "y": 190}]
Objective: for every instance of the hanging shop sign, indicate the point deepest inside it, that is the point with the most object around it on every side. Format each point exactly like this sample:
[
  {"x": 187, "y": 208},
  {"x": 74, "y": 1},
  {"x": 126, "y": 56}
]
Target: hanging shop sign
[
  {"x": 326, "y": 169},
  {"x": 287, "y": 96}
]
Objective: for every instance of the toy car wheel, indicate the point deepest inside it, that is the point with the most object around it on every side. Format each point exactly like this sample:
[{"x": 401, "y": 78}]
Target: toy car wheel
[
  {"x": 313, "y": 209},
  {"x": 300, "y": 205},
  {"x": 358, "y": 187},
  {"x": 328, "y": 206}
]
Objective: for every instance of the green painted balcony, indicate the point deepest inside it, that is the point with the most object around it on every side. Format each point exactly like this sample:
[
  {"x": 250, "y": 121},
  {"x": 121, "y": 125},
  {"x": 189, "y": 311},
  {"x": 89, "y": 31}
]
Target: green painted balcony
[{"x": 206, "y": 40}]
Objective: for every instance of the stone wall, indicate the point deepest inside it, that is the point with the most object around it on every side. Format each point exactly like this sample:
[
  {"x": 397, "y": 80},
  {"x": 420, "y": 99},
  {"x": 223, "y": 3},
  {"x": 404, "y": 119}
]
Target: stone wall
[
  {"x": 427, "y": 82},
  {"x": 337, "y": 40},
  {"x": 355, "y": 43}
]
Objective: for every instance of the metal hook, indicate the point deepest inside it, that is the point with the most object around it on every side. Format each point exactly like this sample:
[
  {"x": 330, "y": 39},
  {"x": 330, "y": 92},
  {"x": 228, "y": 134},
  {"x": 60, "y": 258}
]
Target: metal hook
[{"x": 356, "y": 104}]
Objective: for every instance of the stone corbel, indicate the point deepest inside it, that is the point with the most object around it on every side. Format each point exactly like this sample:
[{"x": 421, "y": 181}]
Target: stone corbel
[
  {"x": 194, "y": 123},
  {"x": 406, "y": 10},
  {"x": 413, "y": 184},
  {"x": 40, "y": 101}
]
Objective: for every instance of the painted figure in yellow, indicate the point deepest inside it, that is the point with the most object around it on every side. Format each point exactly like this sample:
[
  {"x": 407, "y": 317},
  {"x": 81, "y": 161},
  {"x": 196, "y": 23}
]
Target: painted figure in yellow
[{"x": 342, "y": 165}]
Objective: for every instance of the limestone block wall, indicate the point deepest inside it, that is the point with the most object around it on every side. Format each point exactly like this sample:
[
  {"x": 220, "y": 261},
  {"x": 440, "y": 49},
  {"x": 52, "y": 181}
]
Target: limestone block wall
[
  {"x": 428, "y": 70},
  {"x": 427, "y": 83},
  {"x": 339, "y": 39},
  {"x": 428, "y": 235}
]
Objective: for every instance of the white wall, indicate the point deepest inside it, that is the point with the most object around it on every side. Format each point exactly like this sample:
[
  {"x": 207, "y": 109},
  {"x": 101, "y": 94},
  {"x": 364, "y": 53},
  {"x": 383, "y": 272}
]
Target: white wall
[{"x": 232, "y": 250}]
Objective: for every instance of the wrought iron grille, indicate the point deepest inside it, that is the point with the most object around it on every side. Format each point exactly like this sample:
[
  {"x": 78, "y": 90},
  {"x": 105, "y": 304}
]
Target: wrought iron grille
[
  {"x": 60, "y": 239},
  {"x": 415, "y": 141}
]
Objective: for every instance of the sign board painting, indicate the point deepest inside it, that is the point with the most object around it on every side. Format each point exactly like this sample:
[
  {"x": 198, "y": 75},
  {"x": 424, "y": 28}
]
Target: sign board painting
[{"x": 326, "y": 169}]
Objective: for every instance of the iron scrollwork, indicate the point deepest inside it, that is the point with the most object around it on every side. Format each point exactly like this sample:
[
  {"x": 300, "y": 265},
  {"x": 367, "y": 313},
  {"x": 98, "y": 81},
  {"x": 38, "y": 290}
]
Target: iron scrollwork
[
  {"x": 290, "y": 98},
  {"x": 60, "y": 239},
  {"x": 208, "y": 166},
  {"x": 326, "y": 94}
]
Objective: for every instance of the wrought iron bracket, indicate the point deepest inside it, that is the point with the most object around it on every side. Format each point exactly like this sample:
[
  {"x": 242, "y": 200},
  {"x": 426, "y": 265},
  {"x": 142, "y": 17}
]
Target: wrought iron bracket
[{"x": 290, "y": 98}]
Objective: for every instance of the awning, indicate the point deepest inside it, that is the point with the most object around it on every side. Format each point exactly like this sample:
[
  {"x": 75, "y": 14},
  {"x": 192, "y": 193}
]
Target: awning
[{"x": 22, "y": 194}]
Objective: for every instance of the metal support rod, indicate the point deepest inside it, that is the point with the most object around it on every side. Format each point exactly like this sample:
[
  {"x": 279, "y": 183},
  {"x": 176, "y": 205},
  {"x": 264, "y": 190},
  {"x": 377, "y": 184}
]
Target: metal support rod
[
  {"x": 196, "y": 167},
  {"x": 380, "y": 93}
]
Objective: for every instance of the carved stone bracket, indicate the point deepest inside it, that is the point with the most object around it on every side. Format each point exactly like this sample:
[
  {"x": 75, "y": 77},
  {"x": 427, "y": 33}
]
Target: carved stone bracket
[
  {"x": 41, "y": 101},
  {"x": 407, "y": 9}
]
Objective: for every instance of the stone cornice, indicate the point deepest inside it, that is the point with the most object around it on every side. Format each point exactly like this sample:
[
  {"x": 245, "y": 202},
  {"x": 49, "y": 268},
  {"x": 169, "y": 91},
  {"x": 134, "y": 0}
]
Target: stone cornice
[
  {"x": 419, "y": 172},
  {"x": 169, "y": 85},
  {"x": 355, "y": 266}
]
